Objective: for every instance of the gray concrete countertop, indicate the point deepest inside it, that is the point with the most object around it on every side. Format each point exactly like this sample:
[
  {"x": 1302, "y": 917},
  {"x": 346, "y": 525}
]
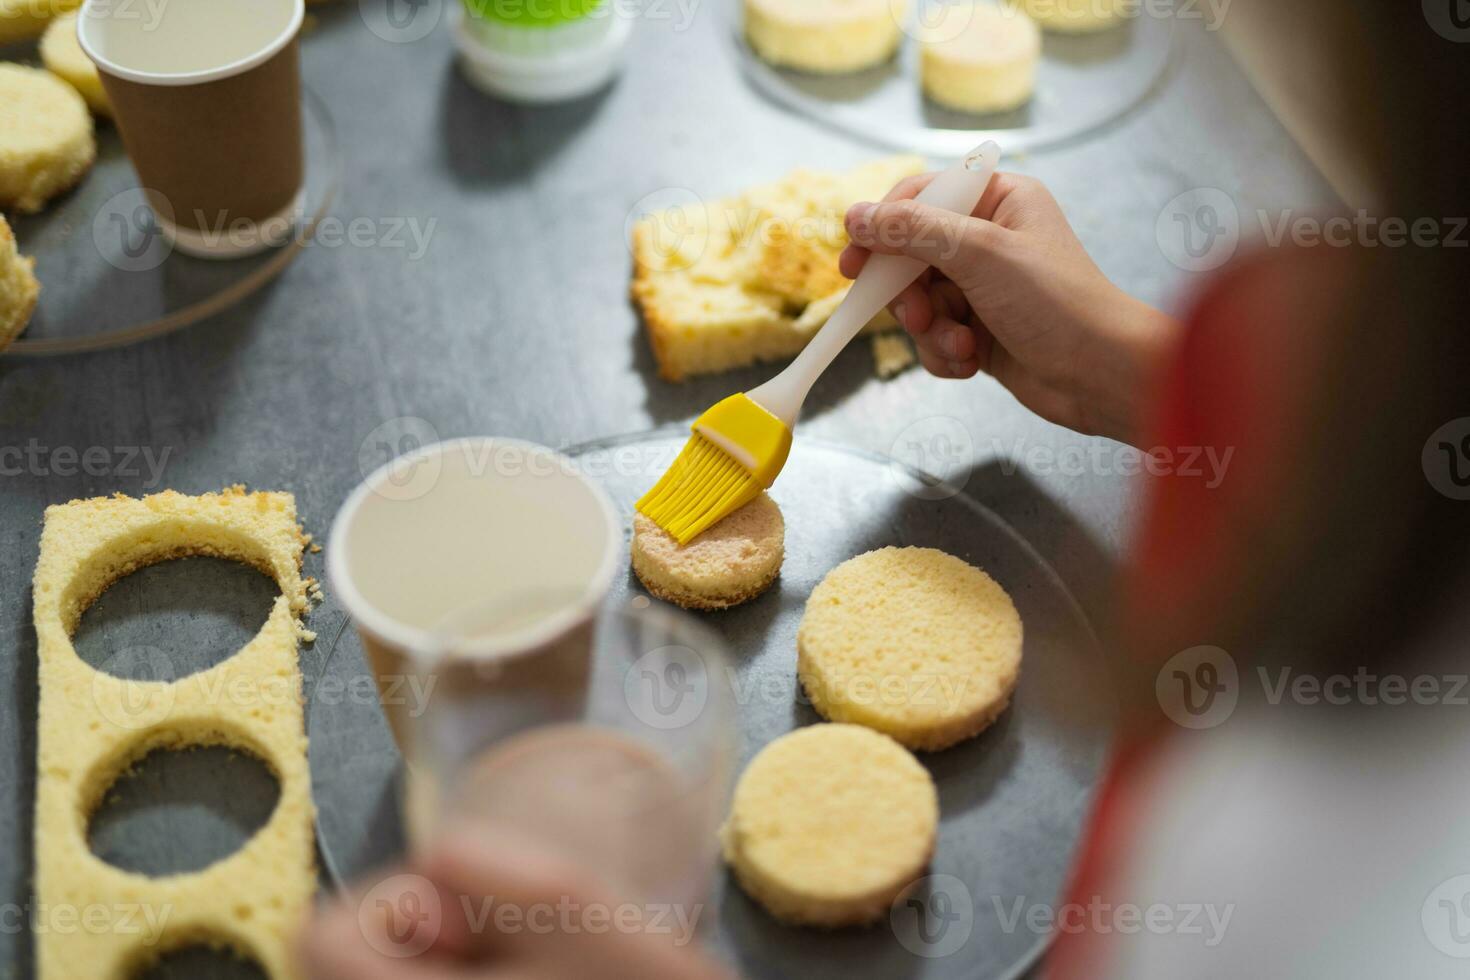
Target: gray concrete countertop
[{"x": 515, "y": 321}]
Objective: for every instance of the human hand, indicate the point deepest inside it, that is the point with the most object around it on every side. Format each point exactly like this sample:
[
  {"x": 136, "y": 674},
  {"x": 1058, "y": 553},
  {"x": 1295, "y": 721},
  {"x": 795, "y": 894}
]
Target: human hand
[
  {"x": 499, "y": 909},
  {"x": 1012, "y": 292}
]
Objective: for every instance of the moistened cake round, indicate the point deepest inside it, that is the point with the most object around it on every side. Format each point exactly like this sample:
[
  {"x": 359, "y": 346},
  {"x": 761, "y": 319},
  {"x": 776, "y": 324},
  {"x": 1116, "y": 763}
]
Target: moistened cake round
[
  {"x": 978, "y": 57},
  {"x": 825, "y": 36},
  {"x": 46, "y": 142},
  {"x": 18, "y": 288},
  {"x": 732, "y": 562},
  {"x": 63, "y": 56},
  {"x": 830, "y": 824},
  {"x": 1073, "y": 16},
  {"x": 911, "y": 642}
]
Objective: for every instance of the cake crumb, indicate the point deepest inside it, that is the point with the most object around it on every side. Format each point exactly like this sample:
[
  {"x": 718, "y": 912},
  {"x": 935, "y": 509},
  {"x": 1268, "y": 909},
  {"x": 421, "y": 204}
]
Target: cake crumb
[{"x": 892, "y": 355}]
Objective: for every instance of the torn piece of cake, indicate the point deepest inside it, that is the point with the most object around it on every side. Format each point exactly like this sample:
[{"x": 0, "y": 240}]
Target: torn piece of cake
[
  {"x": 19, "y": 289},
  {"x": 751, "y": 278},
  {"x": 893, "y": 354},
  {"x": 92, "y": 726}
]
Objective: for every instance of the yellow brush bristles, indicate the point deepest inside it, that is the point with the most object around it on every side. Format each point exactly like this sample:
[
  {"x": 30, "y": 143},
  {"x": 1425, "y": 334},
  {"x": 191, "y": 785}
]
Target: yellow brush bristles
[{"x": 704, "y": 486}]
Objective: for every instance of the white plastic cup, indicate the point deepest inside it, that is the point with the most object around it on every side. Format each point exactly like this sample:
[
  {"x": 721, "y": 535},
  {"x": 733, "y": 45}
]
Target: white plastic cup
[{"x": 454, "y": 525}]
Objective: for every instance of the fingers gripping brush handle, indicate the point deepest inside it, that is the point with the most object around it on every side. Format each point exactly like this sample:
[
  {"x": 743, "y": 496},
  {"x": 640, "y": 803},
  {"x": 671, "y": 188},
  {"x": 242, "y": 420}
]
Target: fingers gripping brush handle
[
  {"x": 740, "y": 445},
  {"x": 957, "y": 189}
]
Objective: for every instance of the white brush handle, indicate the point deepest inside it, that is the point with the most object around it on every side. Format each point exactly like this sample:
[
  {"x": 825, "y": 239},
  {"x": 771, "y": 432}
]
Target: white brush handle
[{"x": 957, "y": 189}]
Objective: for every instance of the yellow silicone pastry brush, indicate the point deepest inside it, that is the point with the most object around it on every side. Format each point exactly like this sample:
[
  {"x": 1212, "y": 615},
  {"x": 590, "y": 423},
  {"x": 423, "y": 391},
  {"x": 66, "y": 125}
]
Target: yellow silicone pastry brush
[{"x": 739, "y": 446}]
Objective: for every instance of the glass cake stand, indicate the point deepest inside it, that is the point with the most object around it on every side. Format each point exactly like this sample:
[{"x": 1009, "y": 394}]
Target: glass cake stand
[
  {"x": 1012, "y": 801},
  {"x": 1084, "y": 83}
]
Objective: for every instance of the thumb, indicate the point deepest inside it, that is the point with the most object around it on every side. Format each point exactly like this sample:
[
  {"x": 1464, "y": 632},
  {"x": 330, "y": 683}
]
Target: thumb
[{"x": 957, "y": 245}]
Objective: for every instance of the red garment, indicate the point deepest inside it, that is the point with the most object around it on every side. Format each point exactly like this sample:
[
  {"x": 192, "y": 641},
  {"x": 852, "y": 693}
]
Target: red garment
[{"x": 1238, "y": 382}]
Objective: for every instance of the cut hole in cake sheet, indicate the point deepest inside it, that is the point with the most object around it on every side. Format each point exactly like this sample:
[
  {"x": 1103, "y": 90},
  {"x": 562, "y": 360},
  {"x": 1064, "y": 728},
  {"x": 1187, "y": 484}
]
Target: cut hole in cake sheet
[{"x": 174, "y": 618}]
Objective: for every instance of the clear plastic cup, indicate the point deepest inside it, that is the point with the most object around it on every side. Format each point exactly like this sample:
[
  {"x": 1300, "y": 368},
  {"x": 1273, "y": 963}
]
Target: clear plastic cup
[{"x": 626, "y": 773}]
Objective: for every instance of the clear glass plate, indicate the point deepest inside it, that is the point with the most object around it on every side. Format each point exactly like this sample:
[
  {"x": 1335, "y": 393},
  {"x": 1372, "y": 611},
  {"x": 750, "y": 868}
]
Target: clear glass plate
[
  {"x": 1012, "y": 801},
  {"x": 108, "y": 279},
  {"x": 1084, "y": 83}
]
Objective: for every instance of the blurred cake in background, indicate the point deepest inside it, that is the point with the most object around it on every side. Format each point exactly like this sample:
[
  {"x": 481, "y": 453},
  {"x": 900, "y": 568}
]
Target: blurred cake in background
[
  {"x": 62, "y": 55},
  {"x": 1073, "y": 16},
  {"x": 978, "y": 57},
  {"x": 825, "y": 36},
  {"x": 18, "y": 287}
]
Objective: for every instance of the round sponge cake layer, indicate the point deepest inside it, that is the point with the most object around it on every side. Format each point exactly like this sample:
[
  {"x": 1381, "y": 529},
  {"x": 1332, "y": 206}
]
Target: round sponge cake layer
[
  {"x": 980, "y": 58},
  {"x": 911, "y": 642},
  {"x": 830, "y": 824},
  {"x": 732, "y": 562},
  {"x": 825, "y": 36},
  {"x": 62, "y": 55},
  {"x": 46, "y": 142},
  {"x": 1074, "y": 16}
]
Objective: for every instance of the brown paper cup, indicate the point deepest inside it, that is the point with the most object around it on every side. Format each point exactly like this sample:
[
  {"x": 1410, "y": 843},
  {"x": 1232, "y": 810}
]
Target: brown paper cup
[{"x": 212, "y": 126}]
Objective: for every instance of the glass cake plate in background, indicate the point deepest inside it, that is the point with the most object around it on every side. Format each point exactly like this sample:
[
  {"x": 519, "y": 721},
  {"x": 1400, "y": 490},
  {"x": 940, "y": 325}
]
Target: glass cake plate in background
[
  {"x": 108, "y": 279},
  {"x": 1084, "y": 83},
  {"x": 1012, "y": 801}
]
